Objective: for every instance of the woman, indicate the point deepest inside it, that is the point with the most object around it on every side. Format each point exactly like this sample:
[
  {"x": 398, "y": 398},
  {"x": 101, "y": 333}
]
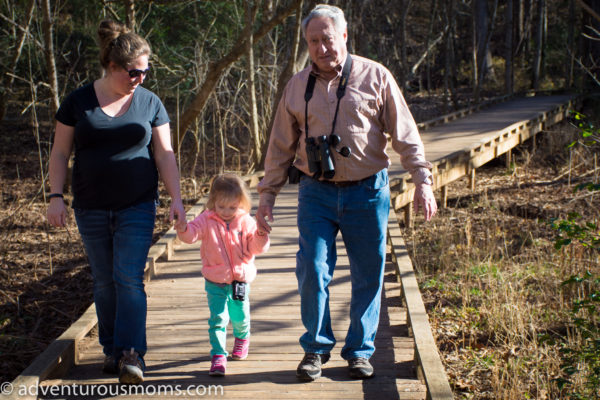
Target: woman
[{"x": 120, "y": 132}]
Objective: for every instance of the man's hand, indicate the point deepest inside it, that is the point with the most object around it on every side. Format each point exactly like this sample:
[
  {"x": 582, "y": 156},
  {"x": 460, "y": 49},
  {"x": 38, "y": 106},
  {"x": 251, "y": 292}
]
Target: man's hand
[
  {"x": 425, "y": 200},
  {"x": 264, "y": 214}
]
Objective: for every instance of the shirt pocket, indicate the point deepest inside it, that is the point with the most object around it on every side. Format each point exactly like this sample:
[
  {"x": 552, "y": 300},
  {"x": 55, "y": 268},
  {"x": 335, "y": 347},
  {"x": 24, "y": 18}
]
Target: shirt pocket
[{"x": 358, "y": 115}]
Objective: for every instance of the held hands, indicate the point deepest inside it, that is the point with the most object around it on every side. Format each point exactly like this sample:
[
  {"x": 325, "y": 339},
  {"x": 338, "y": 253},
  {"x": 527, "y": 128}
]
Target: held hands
[
  {"x": 425, "y": 200},
  {"x": 264, "y": 214},
  {"x": 177, "y": 214},
  {"x": 180, "y": 225}
]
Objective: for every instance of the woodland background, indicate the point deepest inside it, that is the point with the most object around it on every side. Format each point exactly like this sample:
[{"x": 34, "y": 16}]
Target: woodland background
[{"x": 220, "y": 66}]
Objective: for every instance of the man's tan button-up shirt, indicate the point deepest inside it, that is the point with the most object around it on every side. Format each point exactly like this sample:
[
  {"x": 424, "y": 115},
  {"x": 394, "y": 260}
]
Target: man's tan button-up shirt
[{"x": 372, "y": 107}]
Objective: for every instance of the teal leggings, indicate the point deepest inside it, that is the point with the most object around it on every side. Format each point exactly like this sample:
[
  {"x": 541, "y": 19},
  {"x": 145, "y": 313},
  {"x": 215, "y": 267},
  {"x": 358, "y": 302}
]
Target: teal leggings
[{"x": 222, "y": 308}]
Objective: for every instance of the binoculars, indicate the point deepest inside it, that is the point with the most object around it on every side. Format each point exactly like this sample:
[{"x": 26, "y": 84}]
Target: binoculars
[{"x": 318, "y": 151}]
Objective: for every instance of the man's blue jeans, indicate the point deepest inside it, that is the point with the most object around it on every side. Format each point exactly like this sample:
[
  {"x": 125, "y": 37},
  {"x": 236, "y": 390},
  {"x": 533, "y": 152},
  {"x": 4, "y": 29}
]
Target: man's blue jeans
[
  {"x": 360, "y": 213},
  {"x": 117, "y": 244}
]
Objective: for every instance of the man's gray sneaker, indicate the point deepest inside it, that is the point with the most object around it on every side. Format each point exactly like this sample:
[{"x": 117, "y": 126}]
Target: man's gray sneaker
[
  {"x": 360, "y": 368},
  {"x": 309, "y": 368}
]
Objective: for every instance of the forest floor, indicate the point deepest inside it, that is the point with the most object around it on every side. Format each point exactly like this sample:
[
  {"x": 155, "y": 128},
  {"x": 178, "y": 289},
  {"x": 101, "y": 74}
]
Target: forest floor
[{"x": 45, "y": 282}]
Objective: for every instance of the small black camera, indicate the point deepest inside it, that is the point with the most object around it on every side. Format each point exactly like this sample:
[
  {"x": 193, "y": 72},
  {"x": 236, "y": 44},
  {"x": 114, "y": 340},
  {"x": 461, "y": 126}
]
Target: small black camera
[
  {"x": 318, "y": 152},
  {"x": 294, "y": 175},
  {"x": 239, "y": 290}
]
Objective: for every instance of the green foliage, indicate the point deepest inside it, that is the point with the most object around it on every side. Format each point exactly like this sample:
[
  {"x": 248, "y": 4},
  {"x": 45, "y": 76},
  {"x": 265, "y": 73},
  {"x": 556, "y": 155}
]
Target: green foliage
[
  {"x": 581, "y": 360},
  {"x": 589, "y": 134},
  {"x": 574, "y": 228},
  {"x": 581, "y": 357}
]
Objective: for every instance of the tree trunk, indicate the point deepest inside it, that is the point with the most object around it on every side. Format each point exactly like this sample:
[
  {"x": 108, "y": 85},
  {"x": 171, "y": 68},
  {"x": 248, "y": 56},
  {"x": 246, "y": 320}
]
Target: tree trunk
[
  {"x": 508, "y": 49},
  {"x": 130, "y": 14},
  {"x": 49, "y": 55},
  {"x": 288, "y": 71},
  {"x": 429, "y": 41},
  {"x": 539, "y": 45},
  {"x": 482, "y": 35},
  {"x": 8, "y": 78},
  {"x": 449, "y": 63},
  {"x": 216, "y": 69},
  {"x": 404, "y": 6},
  {"x": 474, "y": 54},
  {"x": 251, "y": 84},
  {"x": 571, "y": 45}
]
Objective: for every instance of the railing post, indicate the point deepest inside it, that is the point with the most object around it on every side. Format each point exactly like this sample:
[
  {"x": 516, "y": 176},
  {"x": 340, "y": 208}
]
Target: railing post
[
  {"x": 472, "y": 179},
  {"x": 444, "y": 200},
  {"x": 508, "y": 158},
  {"x": 408, "y": 215}
]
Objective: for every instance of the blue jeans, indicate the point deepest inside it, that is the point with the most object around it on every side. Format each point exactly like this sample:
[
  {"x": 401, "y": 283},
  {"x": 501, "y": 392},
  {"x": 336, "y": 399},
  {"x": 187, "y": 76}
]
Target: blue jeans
[
  {"x": 360, "y": 213},
  {"x": 222, "y": 308},
  {"x": 117, "y": 244}
]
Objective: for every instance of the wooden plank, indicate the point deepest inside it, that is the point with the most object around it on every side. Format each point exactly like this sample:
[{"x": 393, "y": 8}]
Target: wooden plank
[{"x": 58, "y": 357}]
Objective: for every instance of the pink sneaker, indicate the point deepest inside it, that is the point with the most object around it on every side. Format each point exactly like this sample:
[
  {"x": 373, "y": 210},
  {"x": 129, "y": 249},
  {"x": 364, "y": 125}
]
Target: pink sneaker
[
  {"x": 240, "y": 349},
  {"x": 218, "y": 365}
]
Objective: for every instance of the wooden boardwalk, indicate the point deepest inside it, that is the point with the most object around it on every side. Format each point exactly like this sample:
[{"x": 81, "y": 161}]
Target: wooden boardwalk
[
  {"x": 178, "y": 348},
  {"x": 178, "y": 330}
]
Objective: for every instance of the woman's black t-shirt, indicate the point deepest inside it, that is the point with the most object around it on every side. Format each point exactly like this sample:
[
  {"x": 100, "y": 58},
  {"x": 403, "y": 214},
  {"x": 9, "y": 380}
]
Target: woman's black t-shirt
[{"x": 114, "y": 166}]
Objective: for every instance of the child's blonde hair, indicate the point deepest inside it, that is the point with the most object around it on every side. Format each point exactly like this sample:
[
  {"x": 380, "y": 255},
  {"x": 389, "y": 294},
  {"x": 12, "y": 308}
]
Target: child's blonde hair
[{"x": 229, "y": 187}]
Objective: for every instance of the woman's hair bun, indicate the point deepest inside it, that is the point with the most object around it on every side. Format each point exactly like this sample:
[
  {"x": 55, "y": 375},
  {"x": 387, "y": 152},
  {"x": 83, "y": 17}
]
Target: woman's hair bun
[{"x": 119, "y": 44}]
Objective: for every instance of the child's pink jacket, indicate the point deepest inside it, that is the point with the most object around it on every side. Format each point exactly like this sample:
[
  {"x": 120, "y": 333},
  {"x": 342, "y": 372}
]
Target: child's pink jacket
[{"x": 227, "y": 250}]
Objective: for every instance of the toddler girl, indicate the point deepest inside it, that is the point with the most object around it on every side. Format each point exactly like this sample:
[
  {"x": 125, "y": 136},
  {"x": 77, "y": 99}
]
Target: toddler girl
[{"x": 230, "y": 240}]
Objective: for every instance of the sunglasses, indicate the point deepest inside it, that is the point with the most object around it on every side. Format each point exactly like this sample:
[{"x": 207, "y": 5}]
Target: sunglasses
[{"x": 135, "y": 73}]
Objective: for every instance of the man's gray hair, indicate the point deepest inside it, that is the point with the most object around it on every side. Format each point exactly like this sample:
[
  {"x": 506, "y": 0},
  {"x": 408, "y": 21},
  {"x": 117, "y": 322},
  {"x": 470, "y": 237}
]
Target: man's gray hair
[{"x": 325, "y": 10}]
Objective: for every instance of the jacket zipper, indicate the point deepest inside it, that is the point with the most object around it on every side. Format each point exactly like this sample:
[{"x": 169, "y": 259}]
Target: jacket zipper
[{"x": 228, "y": 251}]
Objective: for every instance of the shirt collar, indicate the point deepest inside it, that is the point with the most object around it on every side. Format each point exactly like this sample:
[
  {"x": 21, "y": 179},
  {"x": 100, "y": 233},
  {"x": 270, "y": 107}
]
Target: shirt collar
[{"x": 338, "y": 70}]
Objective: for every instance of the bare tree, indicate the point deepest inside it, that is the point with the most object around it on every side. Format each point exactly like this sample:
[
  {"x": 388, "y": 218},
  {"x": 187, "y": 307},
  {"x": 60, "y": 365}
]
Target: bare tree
[
  {"x": 290, "y": 68},
  {"x": 130, "y": 14},
  {"x": 217, "y": 68},
  {"x": 539, "y": 45},
  {"x": 482, "y": 33},
  {"x": 49, "y": 55},
  {"x": 9, "y": 76},
  {"x": 251, "y": 84},
  {"x": 508, "y": 48},
  {"x": 449, "y": 59},
  {"x": 404, "y": 7},
  {"x": 570, "y": 44}
]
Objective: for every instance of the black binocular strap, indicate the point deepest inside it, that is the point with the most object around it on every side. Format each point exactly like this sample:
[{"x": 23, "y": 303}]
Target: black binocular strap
[{"x": 341, "y": 90}]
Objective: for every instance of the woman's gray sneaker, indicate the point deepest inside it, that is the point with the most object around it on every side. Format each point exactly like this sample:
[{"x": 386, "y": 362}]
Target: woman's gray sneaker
[
  {"x": 131, "y": 368},
  {"x": 110, "y": 365}
]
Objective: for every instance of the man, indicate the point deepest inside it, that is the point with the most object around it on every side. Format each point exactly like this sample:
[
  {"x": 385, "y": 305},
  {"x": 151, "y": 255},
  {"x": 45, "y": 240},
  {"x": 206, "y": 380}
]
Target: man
[{"x": 352, "y": 199}]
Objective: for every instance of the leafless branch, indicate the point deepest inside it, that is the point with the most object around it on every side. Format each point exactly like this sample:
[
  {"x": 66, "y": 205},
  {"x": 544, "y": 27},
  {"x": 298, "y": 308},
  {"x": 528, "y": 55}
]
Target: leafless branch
[{"x": 25, "y": 30}]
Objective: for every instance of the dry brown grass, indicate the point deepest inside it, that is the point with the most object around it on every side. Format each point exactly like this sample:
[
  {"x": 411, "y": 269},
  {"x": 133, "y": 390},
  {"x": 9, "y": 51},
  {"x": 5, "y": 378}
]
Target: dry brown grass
[{"x": 491, "y": 277}]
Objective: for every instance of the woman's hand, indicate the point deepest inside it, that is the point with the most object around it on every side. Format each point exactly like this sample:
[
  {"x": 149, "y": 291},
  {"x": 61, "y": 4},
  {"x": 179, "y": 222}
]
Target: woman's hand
[
  {"x": 57, "y": 212},
  {"x": 179, "y": 218}
]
